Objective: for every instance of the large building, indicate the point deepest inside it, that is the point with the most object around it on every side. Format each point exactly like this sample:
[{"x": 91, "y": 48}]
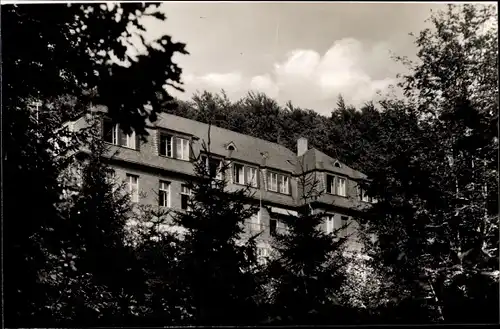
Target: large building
[{"x": 156, "y": 172}]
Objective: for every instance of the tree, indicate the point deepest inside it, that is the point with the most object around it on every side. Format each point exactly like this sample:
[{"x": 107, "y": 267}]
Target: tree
[
  {"x": 309, "y": 267},
  {"x": 437, "y": 223},
  {"x": 81, "y": 50},
  {"x": 215, "y": 262},
  {"x": 102, "y": 283},
  {"x": 456, "y": 86},
  {"x": 157, "y": 248},
  {"x": 71, "y": 47},
  {"x": 35, "y": 154}
]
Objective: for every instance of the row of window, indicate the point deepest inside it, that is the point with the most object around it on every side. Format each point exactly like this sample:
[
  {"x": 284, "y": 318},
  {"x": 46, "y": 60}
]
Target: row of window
[
  {"x": 247, "y": 175},
  {"x": 179, "y": 148},
  {"x": 163, "y": 193}
]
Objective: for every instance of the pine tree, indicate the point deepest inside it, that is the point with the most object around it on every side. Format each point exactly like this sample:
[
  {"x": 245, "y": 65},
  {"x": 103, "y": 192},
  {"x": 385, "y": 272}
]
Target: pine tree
[
  {"x": 309, "y": 267},
  {"x": 157, "y": 247},
  {"x": 215, "y": 264},
  {"x": 69, "y": 54},
  {"x": 98, "y": 278}
]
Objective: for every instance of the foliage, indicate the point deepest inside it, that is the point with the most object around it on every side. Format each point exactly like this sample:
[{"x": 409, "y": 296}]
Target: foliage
[
  {"x": 215, "y": 264},
  {"x": 35, "y": 154},
  {"x": 309, "y": 268},
  {"x": 95, "y": 287},
  {"x": 82, "y": 50},
  {"x": 71, "y": 50},
  {"x": 437, "y": 221},
  {"x": 431, "y": 158}
]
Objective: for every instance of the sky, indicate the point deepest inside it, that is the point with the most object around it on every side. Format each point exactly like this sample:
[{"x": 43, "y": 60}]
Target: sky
[{"x": 307, "y": 53}]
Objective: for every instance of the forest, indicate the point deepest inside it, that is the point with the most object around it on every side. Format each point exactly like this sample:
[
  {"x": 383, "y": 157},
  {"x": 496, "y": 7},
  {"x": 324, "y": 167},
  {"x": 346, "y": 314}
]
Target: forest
[{"x": 70, "y": 258}]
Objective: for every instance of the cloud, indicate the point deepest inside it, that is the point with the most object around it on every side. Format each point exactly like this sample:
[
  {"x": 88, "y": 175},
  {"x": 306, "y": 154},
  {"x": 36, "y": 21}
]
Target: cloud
[
  {"x": 312, "y": 80},
  {"x": 230, "y": 81},
  {"x": 265, "y": 84}
]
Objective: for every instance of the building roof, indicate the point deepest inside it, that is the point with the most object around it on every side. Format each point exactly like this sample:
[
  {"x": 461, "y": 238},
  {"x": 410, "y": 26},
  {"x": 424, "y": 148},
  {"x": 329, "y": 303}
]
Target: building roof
[
  {"x": 247, "y": 148},
  {"x": 314, "y": 159},
  {"x": 252, "y": 149}
]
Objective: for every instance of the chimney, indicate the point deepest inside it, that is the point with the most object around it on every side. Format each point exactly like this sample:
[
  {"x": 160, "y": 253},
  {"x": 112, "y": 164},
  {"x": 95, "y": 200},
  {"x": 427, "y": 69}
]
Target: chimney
[{"x": 301, "y": 146}]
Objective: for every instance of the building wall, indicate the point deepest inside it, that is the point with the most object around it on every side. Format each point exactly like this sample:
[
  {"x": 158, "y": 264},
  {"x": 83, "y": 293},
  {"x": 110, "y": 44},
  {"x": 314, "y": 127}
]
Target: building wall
[{"x": 146, "y": 163}]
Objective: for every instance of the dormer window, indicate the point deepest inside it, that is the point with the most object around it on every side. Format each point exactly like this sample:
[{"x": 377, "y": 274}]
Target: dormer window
[
  {"x": 113, "y": 134},
  {"x": 173, "y": 146},
  {"x": 363, "y": 196},
  {"x": 337, "y": 164},
  {"x": 335, "y": 185},
  {"x": 214, "y": 167},
  {"x": 245, "y": 175},
  {"x": 278, "y": 182},
  {"x": 231, "y": 147}
]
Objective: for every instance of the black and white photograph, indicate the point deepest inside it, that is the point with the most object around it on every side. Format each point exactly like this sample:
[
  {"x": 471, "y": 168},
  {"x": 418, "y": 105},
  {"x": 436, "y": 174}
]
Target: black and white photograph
[{"x": 249, "y": 163}]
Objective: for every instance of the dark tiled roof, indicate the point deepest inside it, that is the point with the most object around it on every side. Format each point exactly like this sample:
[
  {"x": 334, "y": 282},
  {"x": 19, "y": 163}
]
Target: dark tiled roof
[
  {"x": 315, "y": 159},
  {"x": 248, "y": 148}
]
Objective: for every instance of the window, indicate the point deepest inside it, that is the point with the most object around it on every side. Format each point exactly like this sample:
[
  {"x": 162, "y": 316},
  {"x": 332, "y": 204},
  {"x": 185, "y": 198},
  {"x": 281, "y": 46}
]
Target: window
[
  {"x": 277, "y": 227},
  {"x": 114, "y": 135},
  {"x": 245, "y": 175},
  {"x": 277, "y": 182},
  {"x": 130, "y": 140},
  {"x": 272, "y": 181},
  {"x": 330, "y": 224},
  {"x": 185, "y": 195},
  {"x": 255, "y": 223},
  {"x": 284, "y": 184},
  {"x": 182, "y": 148},
  {"x": 340, "y": 182},
  {"x": 238, "y": 173},
  {"x": 166, "y": 145},
  {"x": 164, "y": 194},
  {"x": 214, "y": 167},
  {"x": 335, "y": 185},
  {"x": 174, "y": 147},
  {"x": 363, "y": 196},
  {"x": 110, "y": 133},
  {"x": 262, "y": 254},
  {"x": 251, "y": 176},
  {"x": 133, "y": 187}
]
